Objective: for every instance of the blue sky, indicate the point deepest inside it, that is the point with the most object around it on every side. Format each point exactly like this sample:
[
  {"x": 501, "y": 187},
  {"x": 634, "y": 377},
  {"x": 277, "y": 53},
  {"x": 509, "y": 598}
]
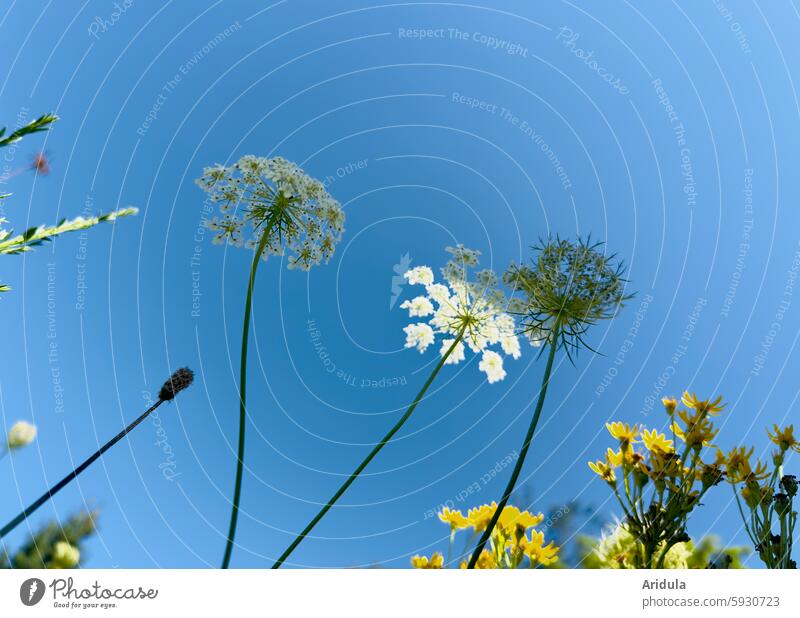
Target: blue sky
[{"x": 676, "y": 147}]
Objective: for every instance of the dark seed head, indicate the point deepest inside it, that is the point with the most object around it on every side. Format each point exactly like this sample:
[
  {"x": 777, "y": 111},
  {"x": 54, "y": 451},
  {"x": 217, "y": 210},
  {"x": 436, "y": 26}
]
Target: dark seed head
[{"x": 178, "y": 381}]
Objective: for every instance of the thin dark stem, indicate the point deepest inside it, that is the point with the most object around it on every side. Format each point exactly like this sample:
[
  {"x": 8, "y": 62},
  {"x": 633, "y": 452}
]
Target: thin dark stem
[
  {"x": 237, "y": 490},
  {"x": 299, "y": 538},
  {"x": 60, "y": 485},
  {"x": 553, "y": 343}
]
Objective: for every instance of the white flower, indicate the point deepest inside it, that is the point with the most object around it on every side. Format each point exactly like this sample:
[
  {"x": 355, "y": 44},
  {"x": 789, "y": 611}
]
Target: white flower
[
  {"x": 21, "y": 434},
  {"x": 277, "y": 198},
  {"x": 418, "y": 336},
  {"x": 456, "y": 356},
  {"x": 418, "y": 307},
  {"x": 438, "y": 292},
  {"x": 492, "y": 365},
  {"x": 511, "y": 347},
  {"x": 419, "y": 275},
  {"x": 474, "y": 311}
]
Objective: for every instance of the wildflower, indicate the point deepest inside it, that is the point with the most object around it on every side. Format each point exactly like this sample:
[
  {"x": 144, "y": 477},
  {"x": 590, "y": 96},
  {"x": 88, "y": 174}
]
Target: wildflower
[
  {"x": 623, "y": 432},
  {"x": 702, "y": 406},
  {"x": 784, "y": 438},
  {"x": 419, "y": 307},
  {"x": 269, "y": 205},
  {"x": 670, "y": 403},
  {"x": 699, "y": 430},
  {"x": 537, "y": 552},
  {"x": 710, "y": 474},
  {"x": 471, "y": 312},
  {"x": 485, "y": 561},
  {"x": 739, "y": 469},
  {"x": 605, "y": 471},
  {"x": 65, "y": 556},
  {"x": 623, "y": 457},
  {"x": 420, "y": 275},
  {"x": 665, "y": 465},
  {"x": 456, "y": 519},
  {"x": 457, "y": 353},
  {"x": 466, "y": 312},
  {"x": 179, "y": 380},
  {"x": 492, "y": 365},
  {"x": 21, "y": 434},
  {"x": 513, "y": 522},
  {"x": 479, "y": 517},
  {"x": 419, "y": 336},
  {"x": 436, "y": 561},
  {"x": 655, "y": 441},
  {"x": 278, "y": 206},
  {"x": 567, "y": 288}
]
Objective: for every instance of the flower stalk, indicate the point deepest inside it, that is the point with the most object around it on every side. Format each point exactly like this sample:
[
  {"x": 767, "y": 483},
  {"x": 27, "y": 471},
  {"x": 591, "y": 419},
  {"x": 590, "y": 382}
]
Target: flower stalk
[
  {"x": 568, "y": 287},
  {"x": 237, "y": 489},
  {"x": 377, "y": 449},
  {"x": 179, "y": 380},
  {"x": 523, "y": 453},
  {"x": 283, "y": 209}
]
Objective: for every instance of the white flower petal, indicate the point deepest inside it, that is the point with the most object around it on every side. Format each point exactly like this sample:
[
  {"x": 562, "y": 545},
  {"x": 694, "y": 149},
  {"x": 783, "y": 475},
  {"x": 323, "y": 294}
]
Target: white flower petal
[
  {"x": 456, "y": 356},
  {"x": 492, "y": 365},
  {"x": 419, "y": 275},
  {"x": 418, "y": 336}
]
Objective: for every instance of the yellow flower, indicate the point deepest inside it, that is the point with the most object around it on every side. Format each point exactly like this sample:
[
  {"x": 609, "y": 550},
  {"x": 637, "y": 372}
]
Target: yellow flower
[
  {"x": 655, "y": 441},
  {"x": 537, "y": 551},
  {"x": 604, "y": 470},
  {"x": 670, "y": 403},
  {"x": 665, "y": 465},
  {"x": 615, "y": 458},
  {"x": 784, "y": 438},
  {"x": 422, "y": 562},
  {"x": 480, "y": 517},
  {"x": 485, "y": 561},
  {"x": 739, "y": 469},
  {"x": 622, "y": 432},
  {"x": 456, "y": 519},
  {"x": 514, "y": 522},
  {"x": 704, "y": 407},
  {"x": 699, "y": 431},
  {"x": 628, "y": 457}
]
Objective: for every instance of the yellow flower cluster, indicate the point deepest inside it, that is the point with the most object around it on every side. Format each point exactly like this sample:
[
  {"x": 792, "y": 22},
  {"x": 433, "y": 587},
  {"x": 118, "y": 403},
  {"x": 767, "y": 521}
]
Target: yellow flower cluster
[
  {"x": 436, "y": 561},
  {"x": 515, "y": 542},
  {"x": 656, "y": 519},
  {"x": 769, "y": 497},
  {"x": 660, "y": 462}
]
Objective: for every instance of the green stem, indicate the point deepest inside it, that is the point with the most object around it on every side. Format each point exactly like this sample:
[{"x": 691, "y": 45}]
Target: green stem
[
  {"x": 783, "y": 562},
  {"x": 237, "y": 491},
  {"x": 669, "y": 545},
  {"x": 553, "y": 343},
  {"x": 384, "y": 441}
]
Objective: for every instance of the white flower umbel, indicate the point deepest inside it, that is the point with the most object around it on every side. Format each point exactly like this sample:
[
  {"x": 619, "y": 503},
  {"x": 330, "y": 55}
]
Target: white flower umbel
[
  {"x": 463, "y": 314},
  {"x": 269, "y": 206},
  {"x": 259, "y": 195},
  {"x": 475, "y": 308}
]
